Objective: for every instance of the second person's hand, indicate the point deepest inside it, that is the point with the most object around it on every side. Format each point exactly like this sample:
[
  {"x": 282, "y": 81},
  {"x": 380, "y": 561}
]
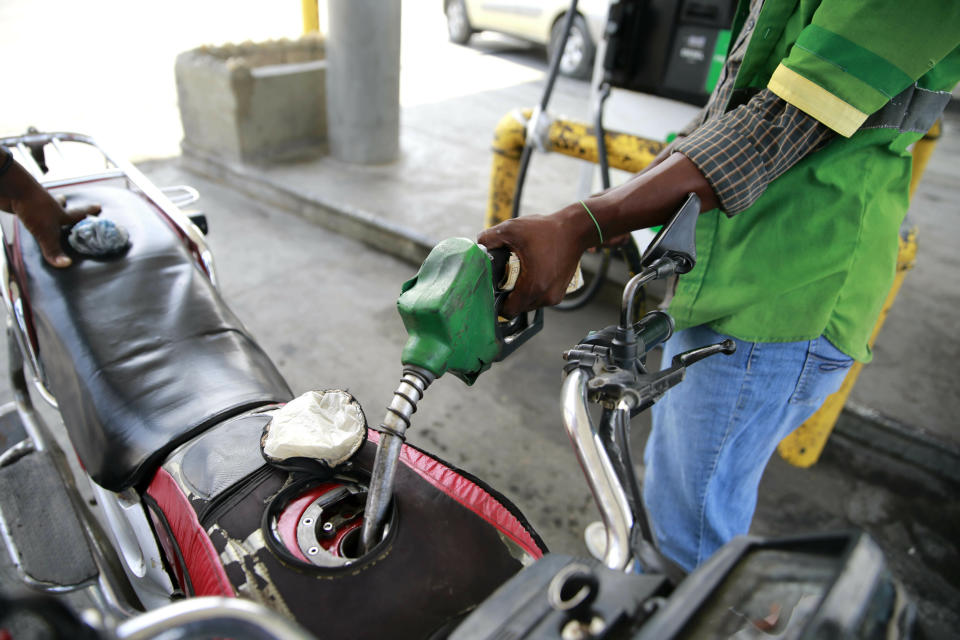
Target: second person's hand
[{"x": 43, "y": 215}]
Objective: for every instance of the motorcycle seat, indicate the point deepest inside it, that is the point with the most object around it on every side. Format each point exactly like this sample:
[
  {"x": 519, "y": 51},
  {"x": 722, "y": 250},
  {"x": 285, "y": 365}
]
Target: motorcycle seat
[{"x": 140, "y": 351}]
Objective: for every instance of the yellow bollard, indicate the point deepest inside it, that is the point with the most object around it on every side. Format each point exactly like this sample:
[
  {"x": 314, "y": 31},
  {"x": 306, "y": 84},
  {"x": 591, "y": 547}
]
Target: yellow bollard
[
  {"x": 508, "y": 140},
  {"x": 574, "y": 139},
  {"x": 624, "y": 151},
  {"x": 803, "y": 447},
  {"x": 311, "y": 15}
]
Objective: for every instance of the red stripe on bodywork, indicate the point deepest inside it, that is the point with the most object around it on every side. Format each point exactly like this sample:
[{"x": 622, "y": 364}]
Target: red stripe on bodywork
[
  {"x": 466, "y": 493},
  {"x": 203, "y": 564}
]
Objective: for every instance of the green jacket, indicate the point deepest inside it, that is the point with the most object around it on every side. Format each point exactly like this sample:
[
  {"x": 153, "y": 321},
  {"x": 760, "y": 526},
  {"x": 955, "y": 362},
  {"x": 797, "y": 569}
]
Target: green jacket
[{"x": 816, "y": 253}]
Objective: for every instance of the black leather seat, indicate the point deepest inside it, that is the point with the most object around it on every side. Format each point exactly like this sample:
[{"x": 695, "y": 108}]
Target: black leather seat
[{"x": 140, "y": 351}]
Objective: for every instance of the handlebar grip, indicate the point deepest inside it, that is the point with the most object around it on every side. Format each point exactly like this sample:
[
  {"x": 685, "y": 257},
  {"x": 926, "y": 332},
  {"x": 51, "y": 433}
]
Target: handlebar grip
[{"x": 652, "y": 330}]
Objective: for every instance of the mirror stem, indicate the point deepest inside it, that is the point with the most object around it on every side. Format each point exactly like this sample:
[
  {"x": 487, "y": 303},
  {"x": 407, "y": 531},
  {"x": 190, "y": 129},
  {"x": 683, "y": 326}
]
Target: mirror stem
[{"x": 661, "y": 268}]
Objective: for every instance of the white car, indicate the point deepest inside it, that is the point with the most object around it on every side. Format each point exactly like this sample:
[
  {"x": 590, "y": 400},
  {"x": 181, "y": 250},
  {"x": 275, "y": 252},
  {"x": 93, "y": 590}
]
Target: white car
[{"x": 537, "y": 21}]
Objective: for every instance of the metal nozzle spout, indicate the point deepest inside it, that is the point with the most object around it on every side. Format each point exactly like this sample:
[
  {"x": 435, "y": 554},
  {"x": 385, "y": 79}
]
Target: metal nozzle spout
[{"x": 414, "y": 382}]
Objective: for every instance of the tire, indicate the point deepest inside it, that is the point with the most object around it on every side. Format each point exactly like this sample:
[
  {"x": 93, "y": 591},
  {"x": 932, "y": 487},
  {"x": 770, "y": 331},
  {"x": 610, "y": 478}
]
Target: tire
[
  {"x": 458, "y": 23},
  {"x": 577, "y": 60}
]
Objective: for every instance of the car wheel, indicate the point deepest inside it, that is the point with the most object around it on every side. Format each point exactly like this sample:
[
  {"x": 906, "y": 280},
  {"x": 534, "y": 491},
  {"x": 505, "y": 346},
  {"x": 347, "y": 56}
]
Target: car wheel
[
  {"x": 458, "y": 24},
  {"x": 577, "y": 59}
]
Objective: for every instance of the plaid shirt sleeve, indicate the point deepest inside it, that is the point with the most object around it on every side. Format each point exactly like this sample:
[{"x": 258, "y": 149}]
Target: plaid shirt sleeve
[{"x": 743, "y": 150}]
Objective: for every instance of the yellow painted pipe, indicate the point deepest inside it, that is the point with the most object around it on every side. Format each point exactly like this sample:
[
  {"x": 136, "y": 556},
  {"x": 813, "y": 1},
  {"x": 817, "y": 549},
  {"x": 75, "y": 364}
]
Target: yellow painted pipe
[
  {"x": 569, "y": 138},
  {"x": 803, "y": 447},
  {"x": 508, "y": 141},
  {"x": 311, "y": 15}
]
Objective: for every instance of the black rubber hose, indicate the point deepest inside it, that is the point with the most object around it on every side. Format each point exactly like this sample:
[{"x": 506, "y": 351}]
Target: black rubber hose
[
  {"x": 602, "y": 159},
  {"x": 544, "y": 101}
]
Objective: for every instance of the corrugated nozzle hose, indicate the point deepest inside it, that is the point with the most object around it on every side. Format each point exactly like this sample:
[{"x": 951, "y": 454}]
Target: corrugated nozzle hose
[{"x": 392, "y": 430}]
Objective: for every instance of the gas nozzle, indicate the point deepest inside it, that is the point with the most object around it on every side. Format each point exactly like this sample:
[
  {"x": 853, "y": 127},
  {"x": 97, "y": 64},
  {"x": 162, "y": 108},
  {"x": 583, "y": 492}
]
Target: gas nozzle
[
  {"x": 450, "y": 310},
  {"x": 450, "y": 313}
]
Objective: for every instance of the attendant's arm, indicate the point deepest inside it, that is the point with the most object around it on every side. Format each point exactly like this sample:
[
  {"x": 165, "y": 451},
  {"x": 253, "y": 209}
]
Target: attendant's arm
[
  {"x": 549, "y": 247},
  {"x": 728, "y": 162}
]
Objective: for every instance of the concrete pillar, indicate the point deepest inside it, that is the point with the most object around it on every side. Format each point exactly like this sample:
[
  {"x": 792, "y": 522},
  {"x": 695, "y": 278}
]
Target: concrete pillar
[{"x": 363, "y": 80}]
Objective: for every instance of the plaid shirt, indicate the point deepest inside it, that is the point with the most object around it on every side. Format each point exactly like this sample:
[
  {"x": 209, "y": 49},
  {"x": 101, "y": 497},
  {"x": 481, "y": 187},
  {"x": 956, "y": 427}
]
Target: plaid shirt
[{"x": 742, "y": 150}]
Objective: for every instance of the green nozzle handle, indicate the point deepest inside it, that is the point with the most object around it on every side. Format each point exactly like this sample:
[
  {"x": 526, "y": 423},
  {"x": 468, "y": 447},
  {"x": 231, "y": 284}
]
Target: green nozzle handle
[{"x": 449, "y": 311}]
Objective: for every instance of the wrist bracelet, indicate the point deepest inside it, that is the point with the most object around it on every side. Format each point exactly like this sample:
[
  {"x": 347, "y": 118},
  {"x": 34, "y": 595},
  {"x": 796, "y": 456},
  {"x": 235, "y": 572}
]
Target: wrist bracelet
[{"x": 590, "y": 213}]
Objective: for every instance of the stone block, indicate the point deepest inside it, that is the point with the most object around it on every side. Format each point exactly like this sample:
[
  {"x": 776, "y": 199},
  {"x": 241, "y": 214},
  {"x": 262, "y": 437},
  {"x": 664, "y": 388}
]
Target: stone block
[{"x": 254, "y": 102}]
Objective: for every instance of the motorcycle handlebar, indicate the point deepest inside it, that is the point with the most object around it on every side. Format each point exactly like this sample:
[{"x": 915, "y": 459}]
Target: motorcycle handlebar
[
  {"x": 229, "y": 617},
  {"x": 652, "y": 330}
]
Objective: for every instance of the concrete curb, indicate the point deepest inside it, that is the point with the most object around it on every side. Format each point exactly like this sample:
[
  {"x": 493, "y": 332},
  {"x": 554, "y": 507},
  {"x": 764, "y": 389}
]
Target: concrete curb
[
  {"x": 865, "y": 428},
  {"x": 336, "y": 216},
  {"x": 857, "y": 426}
]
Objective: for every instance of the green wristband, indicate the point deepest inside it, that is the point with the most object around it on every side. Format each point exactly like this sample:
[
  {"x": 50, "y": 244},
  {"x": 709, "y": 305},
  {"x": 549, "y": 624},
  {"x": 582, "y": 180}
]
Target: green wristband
[{"x": 590, "y": 213}]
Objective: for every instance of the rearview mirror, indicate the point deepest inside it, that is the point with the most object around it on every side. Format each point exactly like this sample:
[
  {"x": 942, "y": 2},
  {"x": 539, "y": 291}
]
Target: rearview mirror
[{"x": 677, "y": 239}]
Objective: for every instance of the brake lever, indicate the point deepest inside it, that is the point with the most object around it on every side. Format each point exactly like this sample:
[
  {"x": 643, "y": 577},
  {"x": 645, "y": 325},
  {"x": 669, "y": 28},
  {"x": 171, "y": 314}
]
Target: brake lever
[
  {"x": 651, "y": 387},
  {"x": 687, "y": 358}
]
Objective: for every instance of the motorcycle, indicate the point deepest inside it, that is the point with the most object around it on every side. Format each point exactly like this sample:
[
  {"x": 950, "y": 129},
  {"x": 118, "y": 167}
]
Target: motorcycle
[
  {"x": 164, "y": 398},
  {"x": 226, "y": 507}
]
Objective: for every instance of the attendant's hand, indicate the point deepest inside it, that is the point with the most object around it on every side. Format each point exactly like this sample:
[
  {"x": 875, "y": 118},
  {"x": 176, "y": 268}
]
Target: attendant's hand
[{"x": 549, "y": 248}]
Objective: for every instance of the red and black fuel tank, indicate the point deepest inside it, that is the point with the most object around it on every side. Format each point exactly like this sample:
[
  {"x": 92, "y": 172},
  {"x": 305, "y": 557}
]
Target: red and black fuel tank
[{"x": 451, "y": 539}]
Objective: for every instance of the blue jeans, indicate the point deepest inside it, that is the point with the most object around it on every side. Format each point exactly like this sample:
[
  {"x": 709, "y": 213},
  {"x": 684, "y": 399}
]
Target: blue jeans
[{"x": 714, "y": 433}]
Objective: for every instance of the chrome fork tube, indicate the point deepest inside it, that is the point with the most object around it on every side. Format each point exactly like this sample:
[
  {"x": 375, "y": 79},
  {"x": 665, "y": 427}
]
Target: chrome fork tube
[{"x": 600, "y": 474}]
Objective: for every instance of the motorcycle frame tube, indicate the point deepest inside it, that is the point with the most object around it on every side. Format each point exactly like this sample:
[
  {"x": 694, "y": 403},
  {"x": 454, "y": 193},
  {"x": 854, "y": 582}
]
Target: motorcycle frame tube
[
  {"x": 17, "y": 325},
  {"x": 211, "y": 615},
  {"x": 600, "y": 474}
]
